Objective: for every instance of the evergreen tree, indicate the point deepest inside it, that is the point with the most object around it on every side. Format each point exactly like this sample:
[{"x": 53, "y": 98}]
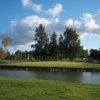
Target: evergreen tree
[
  {"x": 53, "y": 47},
  {"x": 72, "y": 46},
  {"x": 41, "y": 45},
  {"x": 61, "y": 47}
]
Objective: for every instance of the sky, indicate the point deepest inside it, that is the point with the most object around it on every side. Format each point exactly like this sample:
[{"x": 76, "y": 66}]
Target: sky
[{"x": 19, "y": 19}]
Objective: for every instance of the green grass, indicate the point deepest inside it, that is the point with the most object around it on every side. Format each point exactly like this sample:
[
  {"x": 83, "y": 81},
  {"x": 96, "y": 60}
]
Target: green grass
[
  {"x": 25, "y": 89},
  {"x": 54, "y": 64}
]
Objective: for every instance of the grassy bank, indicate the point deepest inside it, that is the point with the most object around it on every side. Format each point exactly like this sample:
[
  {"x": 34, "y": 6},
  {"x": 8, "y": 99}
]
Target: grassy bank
[
  {"x": 25, "y": 89},
  {"x": 54, "y": 64}
]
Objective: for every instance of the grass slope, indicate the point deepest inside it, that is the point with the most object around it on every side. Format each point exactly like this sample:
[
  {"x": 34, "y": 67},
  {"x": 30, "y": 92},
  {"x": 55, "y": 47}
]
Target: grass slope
[
  {"x": 25, "y": 89},
  {"x": 54, "y": 64}
]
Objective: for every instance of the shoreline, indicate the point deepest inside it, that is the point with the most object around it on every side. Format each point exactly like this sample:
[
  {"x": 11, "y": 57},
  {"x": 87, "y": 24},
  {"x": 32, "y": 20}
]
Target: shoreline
[{"x": 53, "y": 69}]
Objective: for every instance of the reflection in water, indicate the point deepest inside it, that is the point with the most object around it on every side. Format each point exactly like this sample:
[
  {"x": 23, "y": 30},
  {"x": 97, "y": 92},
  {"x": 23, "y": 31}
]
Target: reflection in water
[{"x": 80, "y": 77}]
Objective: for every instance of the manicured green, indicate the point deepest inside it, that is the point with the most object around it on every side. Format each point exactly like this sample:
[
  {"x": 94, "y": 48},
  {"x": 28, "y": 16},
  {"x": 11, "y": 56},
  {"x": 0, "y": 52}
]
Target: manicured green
[
  {"x": 54, "y": 64},
  {"x": 25, "y": 89}
]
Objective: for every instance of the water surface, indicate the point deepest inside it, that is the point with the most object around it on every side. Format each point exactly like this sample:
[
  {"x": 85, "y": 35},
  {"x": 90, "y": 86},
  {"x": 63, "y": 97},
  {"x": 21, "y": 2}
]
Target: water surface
[{"x": 79, "y": 77}]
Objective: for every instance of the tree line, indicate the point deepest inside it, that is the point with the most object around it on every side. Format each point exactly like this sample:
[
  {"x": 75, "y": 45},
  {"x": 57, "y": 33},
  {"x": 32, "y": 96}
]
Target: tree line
[
  {"x": 66, "y": 46},
  {"x": 94, "y": 56}
]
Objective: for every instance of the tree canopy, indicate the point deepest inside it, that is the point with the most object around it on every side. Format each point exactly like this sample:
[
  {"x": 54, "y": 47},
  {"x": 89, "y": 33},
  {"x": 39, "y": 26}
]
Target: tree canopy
[
  {"x": 72, "y": 48},
  {"x": 66, "y": 46},
  {"x": 41, "y": 40}
]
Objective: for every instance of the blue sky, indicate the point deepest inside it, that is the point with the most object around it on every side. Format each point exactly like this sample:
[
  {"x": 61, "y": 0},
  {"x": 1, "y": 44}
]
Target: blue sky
[{"x": 19, "y": 18}]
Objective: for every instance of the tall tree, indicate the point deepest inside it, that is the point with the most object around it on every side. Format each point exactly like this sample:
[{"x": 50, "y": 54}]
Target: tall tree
[
  {"x": 61, "y": 47},
  {"x": 2, "y": 53},
  {"x": 72, "y": 44},
  {"x": 53, "y": 47},
  {"x": 41, "y": 44},
  {"x": 6, "y": 41}
]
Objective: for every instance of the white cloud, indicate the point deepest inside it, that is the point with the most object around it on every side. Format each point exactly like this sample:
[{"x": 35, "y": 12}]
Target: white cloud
[
  {"x": 22, "y": 32},
  {"x": 89, "y": 22},
  {"x": 73, "y": 23},
  {"x": 35, "y": 20},
  {"x": 26, "y": 3},
  {"x": 69, "y": 22},
  {"x": 82, "y": 35},
  {"x": 37, "y": 7},
  {"x": 33, "y": 6},
  {"x": 56, "y": 10}
]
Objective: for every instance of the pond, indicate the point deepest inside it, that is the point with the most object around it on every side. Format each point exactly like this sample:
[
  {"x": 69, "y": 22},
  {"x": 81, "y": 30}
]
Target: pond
[{"x": 79, "y": 77}]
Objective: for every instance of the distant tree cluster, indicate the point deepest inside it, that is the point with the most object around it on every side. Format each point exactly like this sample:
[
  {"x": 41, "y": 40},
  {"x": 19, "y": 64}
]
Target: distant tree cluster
[
  {"x": 94, "y": 55},
  {"x": 67, "y": 46}
]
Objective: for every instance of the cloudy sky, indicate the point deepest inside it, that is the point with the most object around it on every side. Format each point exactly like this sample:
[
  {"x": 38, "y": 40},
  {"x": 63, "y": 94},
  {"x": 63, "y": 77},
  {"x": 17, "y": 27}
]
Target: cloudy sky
[{"x": 19, "y": 18}]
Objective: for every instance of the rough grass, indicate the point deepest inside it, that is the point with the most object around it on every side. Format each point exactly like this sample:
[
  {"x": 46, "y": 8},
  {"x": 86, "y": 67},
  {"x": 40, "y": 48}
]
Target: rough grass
[
  {"x": 54, "y": 64},
  {"x": 25, "y": 89}
]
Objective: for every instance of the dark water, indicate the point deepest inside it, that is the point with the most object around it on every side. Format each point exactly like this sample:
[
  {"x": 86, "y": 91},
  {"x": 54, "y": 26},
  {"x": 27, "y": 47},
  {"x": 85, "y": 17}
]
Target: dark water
[{"x": 79, "y": 77}]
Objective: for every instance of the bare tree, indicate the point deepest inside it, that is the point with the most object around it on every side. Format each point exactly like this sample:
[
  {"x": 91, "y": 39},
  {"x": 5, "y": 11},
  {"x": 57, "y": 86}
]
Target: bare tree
[
  {"x": 2, "y": 53},
  {"x": 5, "y": 42}
]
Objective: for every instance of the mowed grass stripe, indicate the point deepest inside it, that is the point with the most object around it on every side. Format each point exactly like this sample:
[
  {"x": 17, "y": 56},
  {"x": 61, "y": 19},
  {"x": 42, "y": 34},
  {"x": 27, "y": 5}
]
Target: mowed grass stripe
[{"x": 54, "y": 64}]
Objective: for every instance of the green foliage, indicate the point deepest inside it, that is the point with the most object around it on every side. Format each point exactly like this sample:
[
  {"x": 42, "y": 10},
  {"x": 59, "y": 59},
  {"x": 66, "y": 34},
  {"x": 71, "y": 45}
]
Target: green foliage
[
  {"x": 53, "y": 47},
  {"x": 8, "y": 56},
  {"x": 94, "y": 55},
  {"x": 41, "y": 39},
  {"x": 72, "y": 46},
  {"x": 25, "y": 89},
  {"x": 60, "y": 47},
  {"x": 67, "y": 45},
  {"x": 18, "y": 55},
  {"x": 84, "y": 54}
]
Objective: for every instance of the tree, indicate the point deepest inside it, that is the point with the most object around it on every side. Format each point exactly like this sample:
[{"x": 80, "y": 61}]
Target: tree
[
  {"x": 84, "y": 54},
  {"x": 41, "y": 45},
  {"x": 53, "y": 47},
  {"x": 72, "y": 48},
  {"x": 95, "y": 54},
  {"x": 18, "y": 55},
  {"x": 6, "y": 41},
  {"x": 32, "y": 55},
  {"x": 2, "y": 53},
  {"x": 25, "y": 55},
  {"x": 8, "y": 55},
  {"x": 61, "y": 47}
]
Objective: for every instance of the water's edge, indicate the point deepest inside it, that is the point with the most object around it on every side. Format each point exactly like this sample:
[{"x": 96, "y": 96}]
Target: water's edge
[{"x": 49, "y": 69}]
